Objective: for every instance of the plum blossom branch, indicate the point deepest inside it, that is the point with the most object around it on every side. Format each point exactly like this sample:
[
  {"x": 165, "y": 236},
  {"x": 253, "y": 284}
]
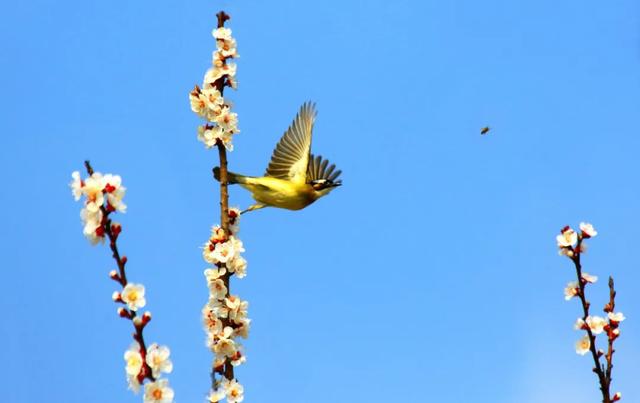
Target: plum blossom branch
[
  {"x": 104, "y": 196},
  {"x": 225, "y": 315},
  {"x": 571, "y": 244}
]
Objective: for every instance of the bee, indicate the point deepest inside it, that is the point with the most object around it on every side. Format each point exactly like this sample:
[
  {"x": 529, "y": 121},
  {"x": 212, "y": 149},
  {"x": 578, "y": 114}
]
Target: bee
[{"x": 484, "y": 130}]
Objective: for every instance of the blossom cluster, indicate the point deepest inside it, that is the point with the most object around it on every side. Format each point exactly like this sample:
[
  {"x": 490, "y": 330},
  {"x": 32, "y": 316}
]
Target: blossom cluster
[
  {"x": 225, "y": 316},
  {"x": 208, "y": 102},
  {"x": 571, "y": 244},
  {"x": 156, "y": 360},
  {"x": 103, "y": 195}
]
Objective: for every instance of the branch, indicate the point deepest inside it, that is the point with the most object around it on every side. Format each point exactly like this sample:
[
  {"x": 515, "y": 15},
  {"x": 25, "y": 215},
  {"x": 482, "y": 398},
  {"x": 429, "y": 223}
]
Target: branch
[
  {"x": 598, "y": 368},
  {"x": 113, "y": 231},
  {"x": 224, "y": 187}
]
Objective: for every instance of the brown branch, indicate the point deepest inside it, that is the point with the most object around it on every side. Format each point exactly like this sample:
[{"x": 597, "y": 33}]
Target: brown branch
[
  {"x": 598, "y": 367},
  {"x": 610, "y": 307},
  {"x": 220, "y": 83},
  {"x": 121, "y": 277}
]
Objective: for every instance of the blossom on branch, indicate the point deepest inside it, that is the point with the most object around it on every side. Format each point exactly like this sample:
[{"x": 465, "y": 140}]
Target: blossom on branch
[
  {"x": 208, "y": 102},
  {"x": 583, "y": 345},
  {"x": 158, "y": 359},
  {"x": 133, "y": 296},
  {"x": 104, "y": 196},
  {"x": 587, "y": 230},
  {"x": 158, "y": 392},
  {"x": 572, "y": 244}
]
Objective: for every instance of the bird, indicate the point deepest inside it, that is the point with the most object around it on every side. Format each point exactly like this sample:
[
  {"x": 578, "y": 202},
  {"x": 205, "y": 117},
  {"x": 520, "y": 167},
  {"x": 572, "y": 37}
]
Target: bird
[
  {"x": 485, "y": 130},
  {"x": 294, "y": 178}
]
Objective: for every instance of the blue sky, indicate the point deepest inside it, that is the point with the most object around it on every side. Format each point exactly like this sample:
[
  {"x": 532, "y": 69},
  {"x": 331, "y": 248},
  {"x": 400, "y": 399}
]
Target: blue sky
[{"x": 431, "y": 275}]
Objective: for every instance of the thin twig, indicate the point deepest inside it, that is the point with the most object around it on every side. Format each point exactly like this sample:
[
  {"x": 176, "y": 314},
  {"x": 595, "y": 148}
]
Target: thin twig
[
  {"x": 121, "y": 278},
  {"x": 610, "y": 307},
  {"x": 598, "y": 367}
]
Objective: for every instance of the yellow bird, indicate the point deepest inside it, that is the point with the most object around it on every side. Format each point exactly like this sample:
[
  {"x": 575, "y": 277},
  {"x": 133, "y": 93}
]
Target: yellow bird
[{"x": 294, "y": 178}]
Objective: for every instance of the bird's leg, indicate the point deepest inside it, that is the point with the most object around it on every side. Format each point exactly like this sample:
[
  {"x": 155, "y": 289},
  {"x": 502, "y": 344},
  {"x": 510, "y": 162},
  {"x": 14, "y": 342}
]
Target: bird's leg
[{"x": 254, "y": 207}]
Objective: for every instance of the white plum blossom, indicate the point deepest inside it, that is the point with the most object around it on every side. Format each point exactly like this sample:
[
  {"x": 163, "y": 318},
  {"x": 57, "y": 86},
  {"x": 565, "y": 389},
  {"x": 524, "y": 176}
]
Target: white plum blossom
[
  {"x": 115, "y": 192},
  {"x": 227, "y": 120},
  {"x": 242, "y": 328},
  {"x": 234, "y": 391},
  {"x": 224, "y": 345},
  {"x": 238, "y": 359},
  {"x": 580, "y": 324},
  {"x": 93, "y": 228},
  {"x": 616, "y": 317},
  {"x": 596, "y": 324},
  {"x": 222, "y": 33},
  {"x": 222, "y": 252},
  {"x": 97, "y": 189},
  {"x": 133, "y": 360},
  {"x": 158, "y": 359},
  {"x": 589, "y": 278},
  {"x": 93, "y": 189},
  {"x": 218, "y": 289},
  {"x": 216, "y": 395},
  {"x": 567, "y": 238},
  {"x": 583, "y": 345},
  {"x": 571, "y": 290},
  {"x": 198, "y": 103},
  {"x": 587, "y": 230},
  {"x": 76, "y": 185},
  {"x": 158, "y": 392},
  {"x": 238, "y": 265},
  {"x": 211, "y": 321},
  {"x": 237, "y": 309},
  {"x": 133, "y": 296}
]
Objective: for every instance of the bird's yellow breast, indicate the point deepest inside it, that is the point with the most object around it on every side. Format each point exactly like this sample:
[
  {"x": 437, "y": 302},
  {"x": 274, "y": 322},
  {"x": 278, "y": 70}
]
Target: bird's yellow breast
[{"x": 280, "y": 193}]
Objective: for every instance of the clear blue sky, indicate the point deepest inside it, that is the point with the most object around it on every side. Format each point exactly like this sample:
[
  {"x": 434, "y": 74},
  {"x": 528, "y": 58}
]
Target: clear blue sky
[{"x": 431, "y": 275}]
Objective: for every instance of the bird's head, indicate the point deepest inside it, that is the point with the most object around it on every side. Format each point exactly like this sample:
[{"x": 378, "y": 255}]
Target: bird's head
[{"x": 324, "y": 186}]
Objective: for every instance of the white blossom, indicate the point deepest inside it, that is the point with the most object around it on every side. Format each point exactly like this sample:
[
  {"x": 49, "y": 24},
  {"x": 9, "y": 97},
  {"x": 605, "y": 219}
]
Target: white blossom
[
  {"x": 237, "y": 309},
  {"x": 158, "y": 359},
  {"x": 216, "y": 395},
  {"x": 571, "y": 290},
  {"x": 583, "y": 345},
  {"x": 587, "y": 230},
  {"x": 158, "y": 392},
  {"x": 616, "y": 317},
  {"x": 133, "y": 296},
  {"x": 227, "y": 120},
  {"x": 567, "y": 238},
  {"x": 222, "y": 33},
  {"x": 115, "y": 192},
  {"x": 589, "y": 278},
  {"x": 238, "y": 265},
  {"x": 596, "y": 324},
  {"x": 217, "y": 289},
  {"x": 223, "y": 343},
  {"x": 76, "y": 185},
  {"x": 211, "y": 321},
  {"x": 234, "y": 391},
  {"x": 133, "y": 360}
]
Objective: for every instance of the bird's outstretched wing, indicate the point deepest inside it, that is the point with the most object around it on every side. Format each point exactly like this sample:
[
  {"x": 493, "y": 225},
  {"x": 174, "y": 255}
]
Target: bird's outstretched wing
[
  {"x": 320, "y": 169},
  {"x": 291, "y": 155}
]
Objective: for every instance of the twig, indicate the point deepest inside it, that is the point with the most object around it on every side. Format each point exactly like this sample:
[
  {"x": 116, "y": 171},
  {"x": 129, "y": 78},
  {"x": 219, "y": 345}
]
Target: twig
[
  {"x": 598, "y": 367},
  {"x": 121, "y": 277},
  {"x": 220, "y": 83}
]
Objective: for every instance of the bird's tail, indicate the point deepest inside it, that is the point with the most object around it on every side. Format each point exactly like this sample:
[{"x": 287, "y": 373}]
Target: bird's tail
[{"x": 231, "y": 177}]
